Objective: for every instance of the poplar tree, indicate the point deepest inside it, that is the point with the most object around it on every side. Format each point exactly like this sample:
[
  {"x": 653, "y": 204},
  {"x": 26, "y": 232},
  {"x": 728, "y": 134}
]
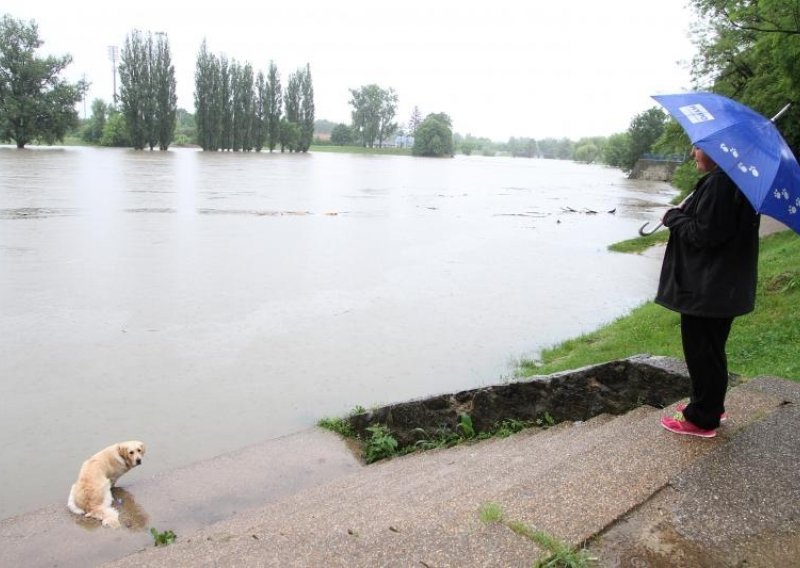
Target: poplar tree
[
  {"x": 260, "y": 112},
  {"x": 166, "y": 98},
  {"x": 133, "y": 75},
  {"x": 224, "y": 104},
  {"x": 291, "y": 101},
  {"x": 236, "y": 133},
  {"x": 148, "y": 97},
  {"x": 274, "y": 105},
  {"x": 205, "y": 76},
  {"x": 291, "y": 98},
  {"x": 242, "y": 80},
  {"x": 306, "y": 117}
]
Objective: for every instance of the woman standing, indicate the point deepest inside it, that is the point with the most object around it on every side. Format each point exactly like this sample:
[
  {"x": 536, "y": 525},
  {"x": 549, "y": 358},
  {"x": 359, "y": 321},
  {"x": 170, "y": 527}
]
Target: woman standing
[{"x": 709, "y": 276}]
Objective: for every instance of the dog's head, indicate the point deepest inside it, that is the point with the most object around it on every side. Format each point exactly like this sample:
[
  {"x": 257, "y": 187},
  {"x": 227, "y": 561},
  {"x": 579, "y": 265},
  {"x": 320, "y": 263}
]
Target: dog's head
[{"x": 131, "y": 452}]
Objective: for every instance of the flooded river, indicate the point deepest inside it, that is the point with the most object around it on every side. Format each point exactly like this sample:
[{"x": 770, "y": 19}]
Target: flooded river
[{"x": 203, "y": 302}]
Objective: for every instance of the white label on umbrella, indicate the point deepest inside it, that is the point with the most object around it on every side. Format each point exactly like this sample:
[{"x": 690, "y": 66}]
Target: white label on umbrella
[{"x": 696, "y": 113}]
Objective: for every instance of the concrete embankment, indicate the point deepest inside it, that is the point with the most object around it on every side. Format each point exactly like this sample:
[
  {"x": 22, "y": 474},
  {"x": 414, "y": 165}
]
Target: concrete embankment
[{"x": 638, "y": 495}]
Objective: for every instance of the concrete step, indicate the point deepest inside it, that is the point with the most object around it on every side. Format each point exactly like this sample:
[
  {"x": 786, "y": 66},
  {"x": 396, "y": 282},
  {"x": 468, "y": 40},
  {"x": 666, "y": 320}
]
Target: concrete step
[
  {"x": 572, "y": 481},
  {"x": 182, "y": 500},
  {"x": 185, "y": 500},
  {"x": 737, "y": 506}
]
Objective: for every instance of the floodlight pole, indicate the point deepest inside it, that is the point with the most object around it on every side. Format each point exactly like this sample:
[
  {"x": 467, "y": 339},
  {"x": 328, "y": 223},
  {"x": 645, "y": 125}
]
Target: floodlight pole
[{"x": 113, "y": 52}]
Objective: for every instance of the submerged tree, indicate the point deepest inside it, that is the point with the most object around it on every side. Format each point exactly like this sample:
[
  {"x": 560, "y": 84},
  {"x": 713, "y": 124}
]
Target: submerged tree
[
  {"x": 93, "y": 129},
  {"x": 373, "y": 112},
  {"x": 35, "y": 103},
  {"x": 434, "y": 136},
  {"x": 147, "y": 90},
  {"x": 134, "y": 87},
  {"x": 306, "y": 118},
  {"x": 166, "y": 98},
  {"x": 298, "y": 101},
  {"x": 205, "y": 79},
  {"x": 274, "y": 106}
]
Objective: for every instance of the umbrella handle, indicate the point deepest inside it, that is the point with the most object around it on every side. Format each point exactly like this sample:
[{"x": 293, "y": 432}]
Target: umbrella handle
[{"x": 644, "y": 233}]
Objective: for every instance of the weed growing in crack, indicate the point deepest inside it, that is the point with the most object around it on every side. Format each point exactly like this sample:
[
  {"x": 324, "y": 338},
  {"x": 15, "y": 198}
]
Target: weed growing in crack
[
  {"x": 381, "y": 444},
  {"x": 561, "y": 555}
]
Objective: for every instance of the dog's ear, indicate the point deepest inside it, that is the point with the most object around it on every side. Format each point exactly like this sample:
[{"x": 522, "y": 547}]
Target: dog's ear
[
  {"x": 122, "y": 450},
  {"x": 142, "y": 447}
]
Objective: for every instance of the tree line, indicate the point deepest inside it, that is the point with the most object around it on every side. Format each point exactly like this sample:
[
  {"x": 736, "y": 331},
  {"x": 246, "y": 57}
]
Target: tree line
[
  {"x": 237, "y": 110},
  {"x": 746, "y": 49}
]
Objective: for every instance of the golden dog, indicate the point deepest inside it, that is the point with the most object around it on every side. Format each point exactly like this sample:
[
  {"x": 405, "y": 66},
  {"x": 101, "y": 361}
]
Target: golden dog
[{"x": 91, "y": 494}]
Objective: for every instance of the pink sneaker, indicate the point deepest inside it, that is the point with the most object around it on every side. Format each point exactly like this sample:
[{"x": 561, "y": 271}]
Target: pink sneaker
[
  {"x": 722, "y": 417},
  {"x": 680, "y": 425}
]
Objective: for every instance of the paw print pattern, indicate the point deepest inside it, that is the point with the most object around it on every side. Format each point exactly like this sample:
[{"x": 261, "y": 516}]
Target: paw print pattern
[
  {"x": 732, "y": 151},
  {"x": 745, "y": 169},
  {"x": 783, "y": 193}
]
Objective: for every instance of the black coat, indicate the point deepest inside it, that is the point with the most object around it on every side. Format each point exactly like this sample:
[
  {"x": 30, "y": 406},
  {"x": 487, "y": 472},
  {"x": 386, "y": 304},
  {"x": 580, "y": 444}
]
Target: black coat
[{"x": 711, "y": 262}]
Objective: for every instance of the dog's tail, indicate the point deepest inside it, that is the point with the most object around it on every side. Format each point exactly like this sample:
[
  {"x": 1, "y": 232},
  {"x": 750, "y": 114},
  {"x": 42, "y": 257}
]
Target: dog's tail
[{"x": 71, "y": 503}]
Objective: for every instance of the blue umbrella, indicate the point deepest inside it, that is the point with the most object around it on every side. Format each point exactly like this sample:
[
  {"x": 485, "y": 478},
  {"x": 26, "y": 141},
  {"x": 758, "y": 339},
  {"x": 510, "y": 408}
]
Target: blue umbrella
[{"x": 747, "y": 146}]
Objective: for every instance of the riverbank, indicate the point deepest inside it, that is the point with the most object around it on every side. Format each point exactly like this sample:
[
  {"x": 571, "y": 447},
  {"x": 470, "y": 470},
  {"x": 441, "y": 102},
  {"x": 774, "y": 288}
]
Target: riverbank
[
  {"x": 616, "y": 485},
  {"x": 763, "y": 342}
]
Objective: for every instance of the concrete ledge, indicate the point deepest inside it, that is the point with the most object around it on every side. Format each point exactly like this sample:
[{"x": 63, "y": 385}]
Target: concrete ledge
[{"x": 577, "y": 395}]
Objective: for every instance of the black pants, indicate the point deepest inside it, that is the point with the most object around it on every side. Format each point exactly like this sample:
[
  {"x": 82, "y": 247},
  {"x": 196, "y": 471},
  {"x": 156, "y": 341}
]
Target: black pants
[{"x": 704, "y": 342}]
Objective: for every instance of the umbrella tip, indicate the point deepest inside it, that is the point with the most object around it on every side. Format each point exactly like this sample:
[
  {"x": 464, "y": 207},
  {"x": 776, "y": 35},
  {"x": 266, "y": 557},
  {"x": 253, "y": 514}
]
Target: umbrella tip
[{"x": 781, "y": 112}]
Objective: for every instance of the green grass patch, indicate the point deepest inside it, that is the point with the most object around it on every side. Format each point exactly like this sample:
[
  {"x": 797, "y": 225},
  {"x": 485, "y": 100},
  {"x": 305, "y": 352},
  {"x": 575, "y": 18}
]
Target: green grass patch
[
  {"x": 339, "y": 425},
  {"x": 641, "y": 244},
  {"x": 491, "y": 513},
  {"x": 162, "y": 538},
  {"x": 761, "y": 343},
  {"x": 360, "y": 150}
]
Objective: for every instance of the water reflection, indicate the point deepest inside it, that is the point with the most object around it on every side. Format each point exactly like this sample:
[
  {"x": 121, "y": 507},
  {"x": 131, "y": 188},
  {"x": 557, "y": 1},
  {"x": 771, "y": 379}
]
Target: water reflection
[{"x": 209, "y": 301}]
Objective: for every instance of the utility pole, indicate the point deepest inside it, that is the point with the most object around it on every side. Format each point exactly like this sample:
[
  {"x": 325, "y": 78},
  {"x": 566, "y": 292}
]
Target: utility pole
[
  {"x": 84, "y": 97},
  {"x": 113, "y": 53}
]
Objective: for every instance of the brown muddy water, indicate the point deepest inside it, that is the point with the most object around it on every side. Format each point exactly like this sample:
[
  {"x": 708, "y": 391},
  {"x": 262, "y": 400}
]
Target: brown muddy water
[{"x": 204, "y": 302}]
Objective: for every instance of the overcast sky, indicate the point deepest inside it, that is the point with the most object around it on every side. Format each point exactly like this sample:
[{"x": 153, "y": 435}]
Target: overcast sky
[{"x": 501, "y": 68}]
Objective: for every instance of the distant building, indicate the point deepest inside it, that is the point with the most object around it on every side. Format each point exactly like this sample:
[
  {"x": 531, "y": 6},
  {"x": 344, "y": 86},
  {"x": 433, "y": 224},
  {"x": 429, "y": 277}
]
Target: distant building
[{"x": 404, "y": 141}]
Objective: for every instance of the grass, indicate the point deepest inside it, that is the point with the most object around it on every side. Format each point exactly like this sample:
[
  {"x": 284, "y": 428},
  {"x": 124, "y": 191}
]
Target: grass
[
  {"x": 761, "y": 343},
  {"x": 339, "y": 425},
  {"x": 491, "y": 513},
  {"x": 640, "y": 244},
  {"x": 360, "y": 150},
  {"x": 561, "y": 554}
]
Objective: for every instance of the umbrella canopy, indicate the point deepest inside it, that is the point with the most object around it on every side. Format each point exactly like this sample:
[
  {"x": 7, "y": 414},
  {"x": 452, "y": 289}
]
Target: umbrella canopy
[{"x": 747, "y": 146}]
